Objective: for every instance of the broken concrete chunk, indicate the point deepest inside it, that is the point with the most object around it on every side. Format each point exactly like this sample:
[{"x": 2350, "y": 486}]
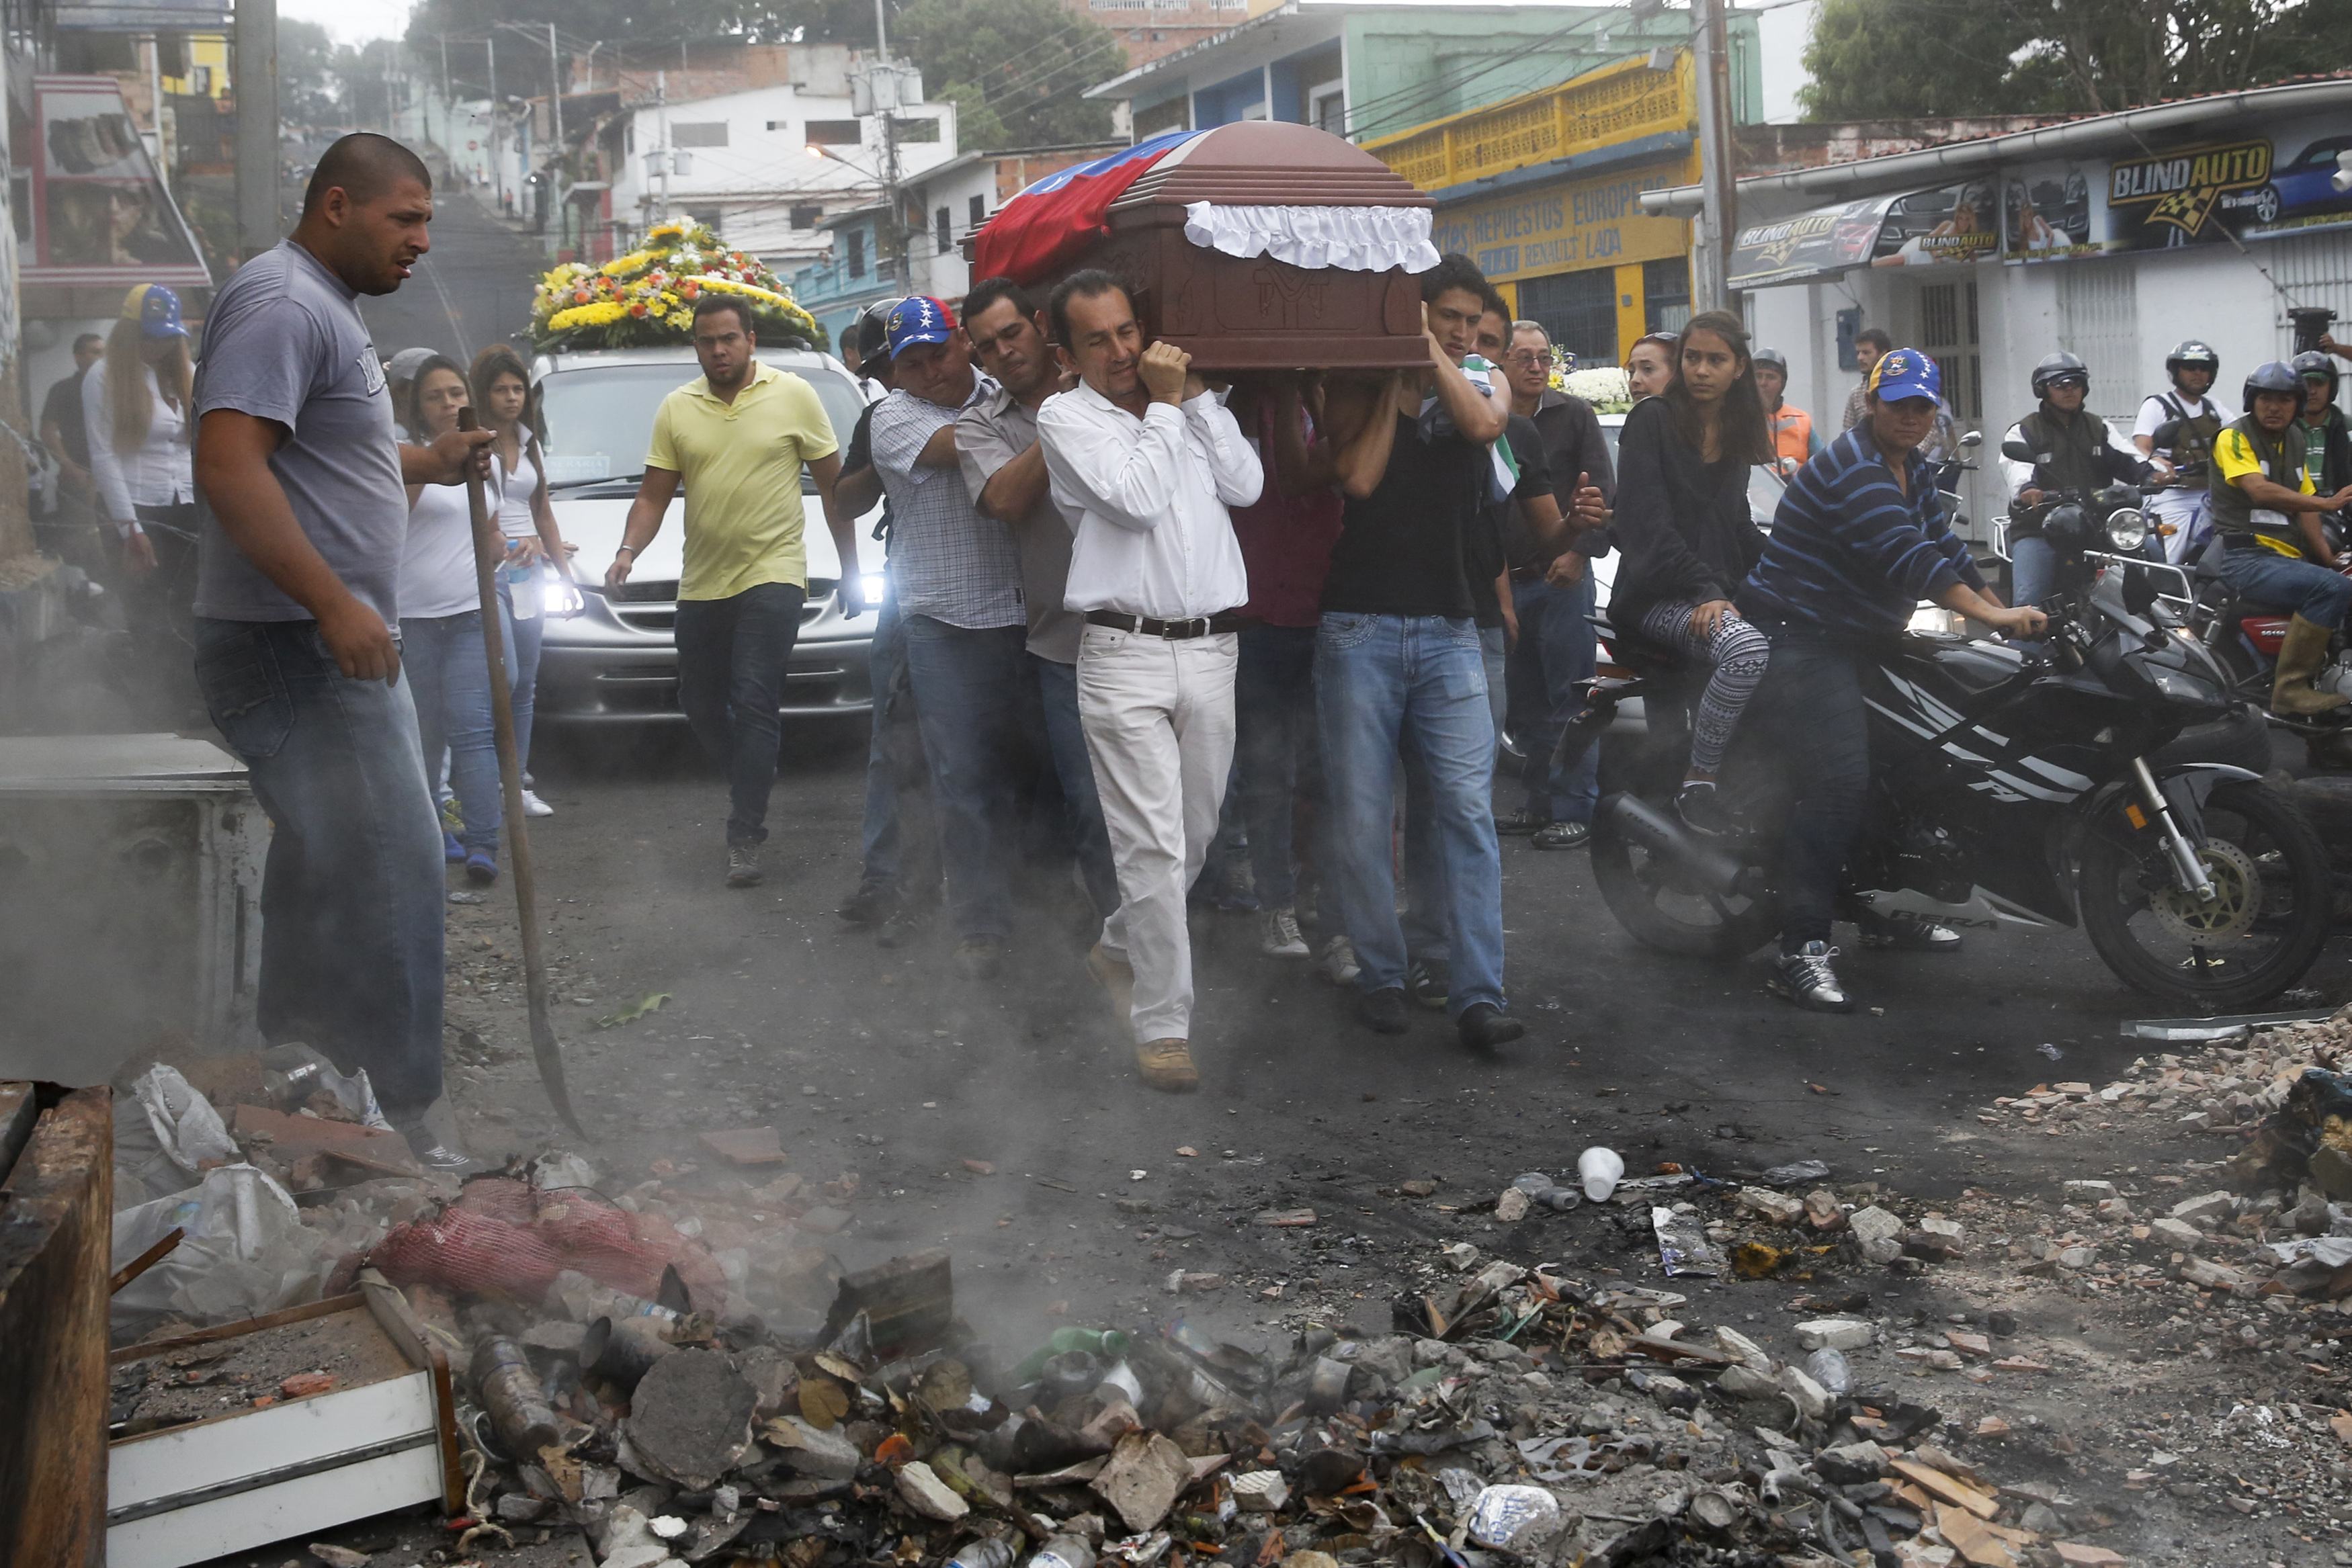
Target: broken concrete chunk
[
  {"x": 1744, "y": 1382},
  {"x": 1835, "y": 1333},
  {"x": 1749, "y": 1353},
  {"x": 337, "y": 1556},
  {"x": 2088, "y": 1191},
  {"x": 1975, "y": 1345},
  {"x": 1260, "y": 1491},
  {"x": 745, "y": 1146},
  {"x": 2178, "y": 1233},
  {"x": 2207, "y": 1276},
  {"x": 1878, "y": 1233},
  {"x": 1852, "y": 1464},
  {"x": 1512, "y": 1206},
  {"x": 921, "y": 1489},
  {"x": 690, "y": 1417},
  {"x": 2212, "y": 1206},
  {"x": 2074, "y": 1555},
  {"x": 1812, "y": 1401},
  {"x": 1145, "y": 1476},
  {"x": 1776, "y": 1206},
  {"x": 1822, "y": 1211}
]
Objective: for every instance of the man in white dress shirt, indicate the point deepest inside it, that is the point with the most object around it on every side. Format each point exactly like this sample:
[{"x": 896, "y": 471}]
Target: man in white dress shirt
[{"x": 1147, "y": 460}]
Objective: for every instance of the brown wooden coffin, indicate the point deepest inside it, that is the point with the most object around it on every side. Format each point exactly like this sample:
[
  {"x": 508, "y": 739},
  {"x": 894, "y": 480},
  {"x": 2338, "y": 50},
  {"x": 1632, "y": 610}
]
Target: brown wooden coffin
[{"x": 1233, "y": 313}]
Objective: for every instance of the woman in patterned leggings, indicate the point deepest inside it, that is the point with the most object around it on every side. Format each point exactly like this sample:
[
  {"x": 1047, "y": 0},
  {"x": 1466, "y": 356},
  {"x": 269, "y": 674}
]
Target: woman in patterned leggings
[{"x": 1681, "y": 519}]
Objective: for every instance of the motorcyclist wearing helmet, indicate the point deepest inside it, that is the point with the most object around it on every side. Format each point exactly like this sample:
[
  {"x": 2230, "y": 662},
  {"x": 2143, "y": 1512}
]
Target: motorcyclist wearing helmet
[
  {"x": 1860, "y": 538},
  {"x": 1794, "y": 440},
  {"x": 2266, "y": 512},
  {"x": 2179, "y": 511},
  {"x": 2075, "y": 450},
  {"x": 2328, "y": 444}
]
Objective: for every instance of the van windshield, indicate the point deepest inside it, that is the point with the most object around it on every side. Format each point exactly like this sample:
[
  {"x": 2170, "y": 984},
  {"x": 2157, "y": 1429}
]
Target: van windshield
[{"x": 597, "y": 419}]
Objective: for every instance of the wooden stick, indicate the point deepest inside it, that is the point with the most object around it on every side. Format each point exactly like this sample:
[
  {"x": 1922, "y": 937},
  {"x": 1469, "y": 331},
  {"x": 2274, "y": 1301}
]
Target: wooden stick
[
  {"x": 145, "y": 1261},
  {"x": 489, "y": 553}
]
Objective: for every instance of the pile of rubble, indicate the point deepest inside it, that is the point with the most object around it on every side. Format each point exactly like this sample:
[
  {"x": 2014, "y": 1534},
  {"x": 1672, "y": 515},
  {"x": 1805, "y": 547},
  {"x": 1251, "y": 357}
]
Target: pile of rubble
[{"x": 1532, "y": 1417}]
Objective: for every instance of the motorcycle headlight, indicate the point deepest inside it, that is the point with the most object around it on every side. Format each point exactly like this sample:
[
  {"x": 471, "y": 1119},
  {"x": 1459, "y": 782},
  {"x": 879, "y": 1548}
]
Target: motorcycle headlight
[{"x": 2127, "y": 529}]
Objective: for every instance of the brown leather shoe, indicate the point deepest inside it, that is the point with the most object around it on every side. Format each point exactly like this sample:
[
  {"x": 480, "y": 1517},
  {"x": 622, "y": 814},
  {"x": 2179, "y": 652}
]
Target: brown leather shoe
[
  {"x": 1116, "y": 977},
  {"x": 1167, "y": 1064}
]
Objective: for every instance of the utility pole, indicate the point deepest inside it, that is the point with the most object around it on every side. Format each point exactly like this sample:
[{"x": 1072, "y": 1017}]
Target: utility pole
[
  {"x": 1711, "y": 242},
  {"x": 498, "y": 165},
  {"x": 659, "y": 157},
  {"x": 881, "y": 36},
  {"x": 255, "y": 83},
  {"x": 555, "y": 87}
]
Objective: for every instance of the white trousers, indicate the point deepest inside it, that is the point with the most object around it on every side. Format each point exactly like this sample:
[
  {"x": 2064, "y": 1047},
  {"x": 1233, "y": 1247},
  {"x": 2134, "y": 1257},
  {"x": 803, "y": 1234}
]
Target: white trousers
[{"x": 1159, "y": 718}]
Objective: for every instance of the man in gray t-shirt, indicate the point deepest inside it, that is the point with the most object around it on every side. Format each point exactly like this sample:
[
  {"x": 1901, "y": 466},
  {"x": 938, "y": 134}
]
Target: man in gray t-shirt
[{"x": 303, "y": 519}]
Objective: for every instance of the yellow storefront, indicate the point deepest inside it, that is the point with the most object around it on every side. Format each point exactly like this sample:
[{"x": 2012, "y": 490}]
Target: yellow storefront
[{"x": 1543, "y": 192}]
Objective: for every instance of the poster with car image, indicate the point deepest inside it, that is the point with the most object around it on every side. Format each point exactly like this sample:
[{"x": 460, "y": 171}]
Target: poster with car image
[{"x": 100, "y": 215}]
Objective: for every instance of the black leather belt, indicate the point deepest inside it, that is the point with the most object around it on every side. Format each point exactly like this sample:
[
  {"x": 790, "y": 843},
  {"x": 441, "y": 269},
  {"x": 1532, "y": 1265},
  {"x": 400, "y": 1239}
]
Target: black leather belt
[{"x": 1172, "y": 630}]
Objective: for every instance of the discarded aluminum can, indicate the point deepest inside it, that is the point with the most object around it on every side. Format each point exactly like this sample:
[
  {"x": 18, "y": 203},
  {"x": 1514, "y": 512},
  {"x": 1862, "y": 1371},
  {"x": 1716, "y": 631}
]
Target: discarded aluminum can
[
  {"x": 623, "y": 1350},
  {"x": 1514, "y": 1518},
  {"x": 1600, "y": 1170}
]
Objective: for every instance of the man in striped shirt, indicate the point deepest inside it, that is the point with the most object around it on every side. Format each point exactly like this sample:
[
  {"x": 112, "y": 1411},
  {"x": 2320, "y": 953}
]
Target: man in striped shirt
[{"x": 1860, "y": 538}]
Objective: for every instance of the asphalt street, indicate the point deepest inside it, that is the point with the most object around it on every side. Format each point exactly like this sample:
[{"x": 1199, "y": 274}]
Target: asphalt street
[{"x": 883, "y": 1061}]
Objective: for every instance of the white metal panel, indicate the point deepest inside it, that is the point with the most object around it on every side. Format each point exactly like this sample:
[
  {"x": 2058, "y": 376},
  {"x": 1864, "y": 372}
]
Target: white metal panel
[
  {"x": 291, "y": 1509},
  {"x": 2314, "y": 269},
  {"x": 2098, "y": 320},
  {"x": 206, "y": 1454}
]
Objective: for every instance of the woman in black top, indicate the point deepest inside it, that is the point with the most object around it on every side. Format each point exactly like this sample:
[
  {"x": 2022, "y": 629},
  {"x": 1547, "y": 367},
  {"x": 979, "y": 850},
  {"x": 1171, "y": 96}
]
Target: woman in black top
[{"x": 1683, "y": 521}]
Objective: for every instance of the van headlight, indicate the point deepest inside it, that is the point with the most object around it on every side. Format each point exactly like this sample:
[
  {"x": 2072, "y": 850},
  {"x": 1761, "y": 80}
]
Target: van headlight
[
  {"x": 873, "y": 585},
  {"x": 561, "y": 598}
]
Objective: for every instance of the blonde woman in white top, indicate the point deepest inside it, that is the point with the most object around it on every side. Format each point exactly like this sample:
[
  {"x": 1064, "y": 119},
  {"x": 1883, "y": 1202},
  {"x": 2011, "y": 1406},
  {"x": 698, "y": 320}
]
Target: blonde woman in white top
[
  {"x": 135, "y": 409},
  {"x": 501, "y": 390}
]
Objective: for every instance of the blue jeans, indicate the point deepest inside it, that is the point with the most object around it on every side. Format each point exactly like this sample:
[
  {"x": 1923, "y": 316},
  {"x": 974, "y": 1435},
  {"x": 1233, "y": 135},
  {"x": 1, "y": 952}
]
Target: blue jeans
[
  {"x": 523, "y": 640},
  {"x": 2033, "y": 570},
  {"x": 450, "y": 672},
  {"x": 352, "y": 898},
  {"x": 885, "y": 755},
  {"x": 732, "y": 654},
  {"x": 1811, "y": 710},
  {"x": 1278, "y": 764},
  {"x": 1066, "y": 745},
  {"x": 1556, "y": 648},
  {"x": 2281, "y": 583},
  {"x": 967, "y": 687},
  {"x": 1382, "y": 681}
]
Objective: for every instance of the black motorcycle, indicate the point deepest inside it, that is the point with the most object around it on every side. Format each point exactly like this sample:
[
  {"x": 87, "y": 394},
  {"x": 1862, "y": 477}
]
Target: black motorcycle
[{"x": 2008, "y": 787}]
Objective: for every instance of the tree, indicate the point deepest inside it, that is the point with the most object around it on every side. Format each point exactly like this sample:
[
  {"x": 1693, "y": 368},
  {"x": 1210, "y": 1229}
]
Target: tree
[
  {"x": 1899, "y": 58},
  {"x": 310, "y": 79}
]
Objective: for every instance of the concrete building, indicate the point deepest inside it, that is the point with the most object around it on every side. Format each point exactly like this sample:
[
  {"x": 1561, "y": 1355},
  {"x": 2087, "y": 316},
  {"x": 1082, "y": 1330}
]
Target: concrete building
[
  {"x": 939, "y": 209},
  {"x": 1365, "y": 70},
  {"x": 1147, "y": 29},
  {"x": 2114, "y": 237},
  {"x": 764, "y": 167},
  {"x": 1543, "y": 190}
]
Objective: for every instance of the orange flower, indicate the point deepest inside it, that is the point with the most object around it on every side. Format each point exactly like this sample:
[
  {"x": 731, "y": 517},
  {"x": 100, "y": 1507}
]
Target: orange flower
[
  {"x": 689, "y": 289},
  {"x": 580, "y": 296},
  {"x": 638, "y": 308}
]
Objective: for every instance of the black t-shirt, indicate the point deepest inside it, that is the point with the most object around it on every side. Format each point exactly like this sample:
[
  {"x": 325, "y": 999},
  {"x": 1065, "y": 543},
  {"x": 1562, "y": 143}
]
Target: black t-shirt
[
  {"x": 62, "y": 408},
  {"x": 1401, "y": 548},
  {"x": 861, "y": 444},
  {"x": 1485, "y": 543}
]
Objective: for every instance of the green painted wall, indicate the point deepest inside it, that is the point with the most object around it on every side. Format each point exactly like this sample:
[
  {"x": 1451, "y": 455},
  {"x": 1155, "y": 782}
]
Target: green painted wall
[{"x": 1408, "y": 68}]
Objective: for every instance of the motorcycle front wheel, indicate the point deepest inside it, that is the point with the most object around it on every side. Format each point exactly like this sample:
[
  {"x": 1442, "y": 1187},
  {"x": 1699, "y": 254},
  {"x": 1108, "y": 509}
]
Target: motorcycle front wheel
[
  {"x": 2274, "y": 901},
  {"x": 1665, "y": 909}
]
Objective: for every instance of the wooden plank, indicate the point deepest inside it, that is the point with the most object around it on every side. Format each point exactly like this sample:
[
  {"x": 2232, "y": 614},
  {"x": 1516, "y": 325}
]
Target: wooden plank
[
  {"x": 18, "y": 1112},
  {"x": 56, "y": 1240},
  {"x": 326, "y": 1306},
  {"x": 1948, "y": 1488},
  {"x": 391, "y": 1313}
]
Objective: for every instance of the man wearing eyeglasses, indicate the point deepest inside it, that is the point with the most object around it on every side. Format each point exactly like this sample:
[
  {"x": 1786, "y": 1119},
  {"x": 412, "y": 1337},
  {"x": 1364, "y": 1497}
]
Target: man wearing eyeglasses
[{"x": 1551, "y": 595}]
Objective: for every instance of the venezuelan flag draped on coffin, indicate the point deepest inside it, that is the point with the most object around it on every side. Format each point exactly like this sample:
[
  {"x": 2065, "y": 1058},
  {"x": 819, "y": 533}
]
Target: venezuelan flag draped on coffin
[{"x": 1258, "y": 246}]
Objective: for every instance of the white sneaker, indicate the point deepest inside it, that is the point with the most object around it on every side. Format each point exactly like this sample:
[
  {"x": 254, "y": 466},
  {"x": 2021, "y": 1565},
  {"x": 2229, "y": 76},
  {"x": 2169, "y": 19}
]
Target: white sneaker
[
  {"x": 533, "y": 806},
  {"x": 1278, "y": 936},
  {"x": 1340, "y": 962}
]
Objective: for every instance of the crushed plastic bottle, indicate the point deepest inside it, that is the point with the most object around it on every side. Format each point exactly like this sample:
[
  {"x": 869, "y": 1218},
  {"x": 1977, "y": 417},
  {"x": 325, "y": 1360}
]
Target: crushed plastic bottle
[
  {"x": 987, "y": 1553},
  {"x": 1546, "y": 1193},
  {"x": 1108, "y": 1344},
  {"x": 1600, "y": 1170},
  {"x": 1830, "y": 1369},
  {"x": 1063, "y": 1552},
  {"x": 1514, "y": 1518}
]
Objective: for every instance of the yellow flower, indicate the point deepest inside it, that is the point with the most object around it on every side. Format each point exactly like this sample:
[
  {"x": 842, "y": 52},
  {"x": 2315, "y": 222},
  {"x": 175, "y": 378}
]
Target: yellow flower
[
  {"x": 622, "y": 266},
  {"x": 602, "y": 313}
]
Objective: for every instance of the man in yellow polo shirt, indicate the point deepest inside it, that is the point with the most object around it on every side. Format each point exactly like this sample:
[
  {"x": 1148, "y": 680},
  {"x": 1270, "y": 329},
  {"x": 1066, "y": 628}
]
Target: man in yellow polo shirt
[{"x": 738, "y": 439}]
